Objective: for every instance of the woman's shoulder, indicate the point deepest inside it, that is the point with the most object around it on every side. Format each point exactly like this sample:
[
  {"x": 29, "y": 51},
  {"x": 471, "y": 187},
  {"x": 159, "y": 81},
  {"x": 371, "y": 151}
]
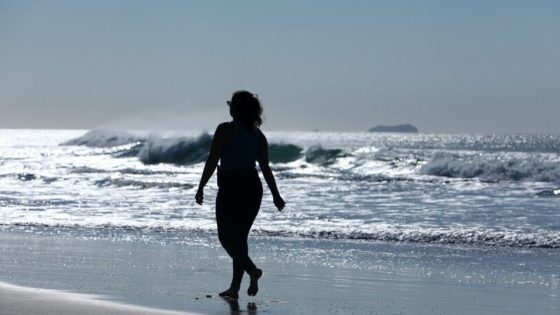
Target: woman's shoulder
[
  {"x": 226, "y": 126},
  {"x": 225, "y": 131},
  {"x": 261, "y": 135}
]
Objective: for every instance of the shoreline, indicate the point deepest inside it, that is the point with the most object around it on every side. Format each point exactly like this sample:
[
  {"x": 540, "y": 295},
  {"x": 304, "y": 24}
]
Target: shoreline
[{"x": 176, "y": 271}]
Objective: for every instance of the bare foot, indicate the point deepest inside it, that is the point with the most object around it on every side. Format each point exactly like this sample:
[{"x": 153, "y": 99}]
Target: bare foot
[
  {"x": 254, "y": 286},
  {"x": 231, "y": 293}
]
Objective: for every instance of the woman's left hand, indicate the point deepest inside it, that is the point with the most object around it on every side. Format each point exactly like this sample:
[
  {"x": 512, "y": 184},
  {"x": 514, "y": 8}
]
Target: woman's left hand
[
  {"x": 199, "y": 197},
  {"x": 279, "y": 202}
]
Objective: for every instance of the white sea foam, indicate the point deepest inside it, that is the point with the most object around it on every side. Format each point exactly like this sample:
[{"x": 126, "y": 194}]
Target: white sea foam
[{"x": 495, "y": 167}]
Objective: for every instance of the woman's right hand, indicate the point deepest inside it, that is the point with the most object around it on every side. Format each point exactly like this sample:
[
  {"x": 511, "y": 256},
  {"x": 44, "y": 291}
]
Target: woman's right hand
[
  {"x": 199, "y": 197},
  {"x": 279, "y": 202}
]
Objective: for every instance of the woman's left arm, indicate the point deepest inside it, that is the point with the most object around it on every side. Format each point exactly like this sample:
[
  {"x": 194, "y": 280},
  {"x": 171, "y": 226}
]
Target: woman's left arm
[{"x": 211, "y": 162}]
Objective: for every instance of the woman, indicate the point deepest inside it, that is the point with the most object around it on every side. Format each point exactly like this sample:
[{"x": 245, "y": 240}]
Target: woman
[{"x": 237, "y": 145}]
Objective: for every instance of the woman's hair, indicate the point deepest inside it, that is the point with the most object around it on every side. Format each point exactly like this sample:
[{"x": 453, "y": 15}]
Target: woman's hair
[{"x": 246, "y": 107}]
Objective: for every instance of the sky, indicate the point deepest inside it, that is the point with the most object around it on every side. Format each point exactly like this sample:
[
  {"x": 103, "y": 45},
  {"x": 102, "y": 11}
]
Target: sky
[{"x": 445, "y": 66}]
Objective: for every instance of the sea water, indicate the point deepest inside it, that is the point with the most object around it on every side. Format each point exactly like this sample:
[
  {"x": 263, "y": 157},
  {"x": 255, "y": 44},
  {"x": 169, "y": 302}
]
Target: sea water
[
  {"x": 456, "y": 223},
  {"x": 449, "y": 189}
]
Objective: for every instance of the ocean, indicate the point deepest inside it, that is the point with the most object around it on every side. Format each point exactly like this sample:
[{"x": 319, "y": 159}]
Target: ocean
[
  {"x": 374, "y": 222},
  {"x": 449, "y": 189}
]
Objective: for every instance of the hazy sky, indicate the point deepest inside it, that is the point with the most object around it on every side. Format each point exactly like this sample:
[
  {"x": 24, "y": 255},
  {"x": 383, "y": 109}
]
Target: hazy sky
[{"x": 445, "y": 66}]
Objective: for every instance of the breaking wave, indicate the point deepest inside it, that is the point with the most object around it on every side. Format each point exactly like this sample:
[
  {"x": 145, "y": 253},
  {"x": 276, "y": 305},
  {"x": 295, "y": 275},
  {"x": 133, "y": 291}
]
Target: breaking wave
[
  {"x": 284, "y": 153},
  {"x": 154, "y": 150},
  {"x": 489, "y": 167},
  {"x": 182, "y": 151},
  {"x": 317, "y": 155},
  {"x": 493, "y": 170},
  {"x": 99, "y": 138},
  {"x": 132, "y": 151},
  {"x": 187, "y": 151}
]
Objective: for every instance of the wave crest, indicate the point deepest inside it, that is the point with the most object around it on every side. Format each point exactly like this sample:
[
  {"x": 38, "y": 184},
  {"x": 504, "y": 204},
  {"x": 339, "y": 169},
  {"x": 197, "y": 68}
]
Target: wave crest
[
  {"x": 284, "y": 153},
  {"x": 99, "y": 138},
  {"x": 187, "y": 151},
  {"x": 493, "y": 170},
  {"x": 182, "y": 151},
  {"x": 317, "y": 155}
]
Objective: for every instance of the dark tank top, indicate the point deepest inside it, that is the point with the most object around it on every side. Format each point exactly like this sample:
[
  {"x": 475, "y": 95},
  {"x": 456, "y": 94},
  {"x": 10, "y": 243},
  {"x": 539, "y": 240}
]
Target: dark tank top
[{"x": 241, "y": 151}]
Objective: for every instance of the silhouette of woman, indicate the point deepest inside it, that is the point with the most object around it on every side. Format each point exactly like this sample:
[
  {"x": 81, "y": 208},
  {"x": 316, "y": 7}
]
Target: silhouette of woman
[{"x": 237, "y": 145}]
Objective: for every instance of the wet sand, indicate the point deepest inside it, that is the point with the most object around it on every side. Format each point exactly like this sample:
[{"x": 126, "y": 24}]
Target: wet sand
[
  {"x": 15, "y": 300},
  {"x": 184, "y": 272}
]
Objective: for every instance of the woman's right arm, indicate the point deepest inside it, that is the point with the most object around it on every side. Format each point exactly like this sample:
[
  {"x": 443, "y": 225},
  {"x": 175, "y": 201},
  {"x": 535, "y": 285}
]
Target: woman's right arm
[
  {"x": 267, "y": 172},
  {"x": 211, "y": 162}
]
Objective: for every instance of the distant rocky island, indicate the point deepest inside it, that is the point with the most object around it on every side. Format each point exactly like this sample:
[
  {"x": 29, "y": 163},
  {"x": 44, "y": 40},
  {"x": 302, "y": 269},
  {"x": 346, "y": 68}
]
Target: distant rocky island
[{"x": 396, "y": 128}]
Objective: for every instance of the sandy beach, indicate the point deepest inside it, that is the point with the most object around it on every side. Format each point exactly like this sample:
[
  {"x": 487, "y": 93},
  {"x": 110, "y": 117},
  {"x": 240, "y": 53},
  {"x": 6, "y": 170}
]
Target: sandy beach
[
  {"x": 16, "y": 300},
  {"x": 184, "y": 273}
]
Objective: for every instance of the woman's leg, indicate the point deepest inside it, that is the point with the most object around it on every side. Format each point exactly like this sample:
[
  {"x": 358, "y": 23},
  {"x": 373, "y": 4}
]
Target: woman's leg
[
  {"x": 253, "y": 205},
  {"x": 237, "y": 244},
  {"x": 236, "y": 209},
  {"x": 226, "y": 235}
]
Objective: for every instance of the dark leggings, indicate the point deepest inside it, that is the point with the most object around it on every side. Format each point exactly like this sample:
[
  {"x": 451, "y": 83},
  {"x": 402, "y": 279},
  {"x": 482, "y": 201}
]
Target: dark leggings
[{"x": 237, "y": 204}]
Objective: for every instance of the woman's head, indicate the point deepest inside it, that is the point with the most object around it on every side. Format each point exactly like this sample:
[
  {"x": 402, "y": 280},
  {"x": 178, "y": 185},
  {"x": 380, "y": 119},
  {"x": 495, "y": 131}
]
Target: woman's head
[{"x": 246, "y": 107}]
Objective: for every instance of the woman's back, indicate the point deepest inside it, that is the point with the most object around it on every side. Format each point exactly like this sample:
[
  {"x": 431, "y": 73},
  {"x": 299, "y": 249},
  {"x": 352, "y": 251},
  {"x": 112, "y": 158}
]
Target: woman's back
[{"x": 242, "y": 150}]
